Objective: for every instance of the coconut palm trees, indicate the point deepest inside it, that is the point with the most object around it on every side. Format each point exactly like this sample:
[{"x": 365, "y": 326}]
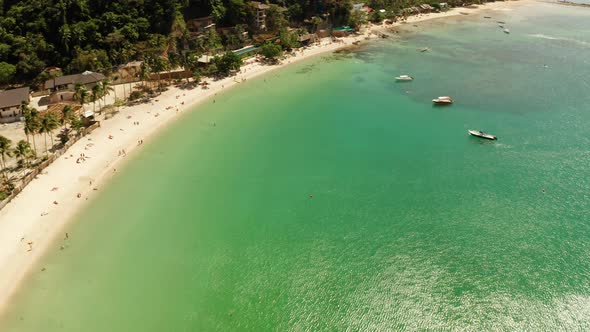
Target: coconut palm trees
[
  {"x": 145, "y": 71},
  {"x": 96, "y": 95},
  {"x": 66, "y": 115},
  {"x": 80, "y": 93},
  {"x": 4, "y": 151},
  {"x": 48, "y": 124},
  {"x": 32, "y": 124},
  {"x": 23, "y": 152},
  {"x": 106, "y": 88}
]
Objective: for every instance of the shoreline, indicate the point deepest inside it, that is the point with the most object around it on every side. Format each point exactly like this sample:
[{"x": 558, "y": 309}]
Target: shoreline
[{"x": 33, "y": 217}]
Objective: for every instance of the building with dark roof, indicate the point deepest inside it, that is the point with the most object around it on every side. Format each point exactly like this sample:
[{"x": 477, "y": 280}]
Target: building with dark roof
[
  {"x": 10, "y": 104},
  {"x": 69, "y": 81},
  {"x": 62, "y": 88}
]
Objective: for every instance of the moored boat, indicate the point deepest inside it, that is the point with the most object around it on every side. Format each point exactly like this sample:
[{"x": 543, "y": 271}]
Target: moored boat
[
  {"x": 444, "y": 100},
  {"x": 481, "y": 134},
  {"x": 404, "y": 78},
  {"x": 506, "y": 31}
]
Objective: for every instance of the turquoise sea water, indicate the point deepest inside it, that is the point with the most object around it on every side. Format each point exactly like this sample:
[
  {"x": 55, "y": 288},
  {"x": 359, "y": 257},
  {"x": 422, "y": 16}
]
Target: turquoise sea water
[{"x": 412, "y": 225}]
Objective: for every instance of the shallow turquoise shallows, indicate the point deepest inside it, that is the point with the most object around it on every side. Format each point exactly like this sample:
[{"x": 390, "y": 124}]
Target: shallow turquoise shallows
[{"x": 413, "y": 225}]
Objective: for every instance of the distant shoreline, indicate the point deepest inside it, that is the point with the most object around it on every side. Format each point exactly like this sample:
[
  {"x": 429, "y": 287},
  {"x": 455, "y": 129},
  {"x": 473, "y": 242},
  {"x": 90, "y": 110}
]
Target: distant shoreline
[
  {"x": 33, "y": 217},
  {"x": 573, "y": 4}
]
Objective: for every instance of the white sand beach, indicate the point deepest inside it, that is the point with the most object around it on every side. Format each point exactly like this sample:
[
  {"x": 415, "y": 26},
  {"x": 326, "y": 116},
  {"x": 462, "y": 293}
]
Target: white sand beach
[{"x": 38, "y": 216}]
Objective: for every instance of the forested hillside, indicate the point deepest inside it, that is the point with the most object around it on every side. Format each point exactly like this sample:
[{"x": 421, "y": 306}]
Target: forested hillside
[{"x": 79, "y": 35}]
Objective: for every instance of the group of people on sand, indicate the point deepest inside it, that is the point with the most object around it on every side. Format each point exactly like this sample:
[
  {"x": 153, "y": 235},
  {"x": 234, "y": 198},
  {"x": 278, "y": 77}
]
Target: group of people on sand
[{"x": 81, "y": 158}]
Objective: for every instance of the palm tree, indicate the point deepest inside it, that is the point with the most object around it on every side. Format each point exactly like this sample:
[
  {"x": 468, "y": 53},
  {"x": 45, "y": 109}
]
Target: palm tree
[
  {"x": 4, "y": 151},
  {"x": 106, "y": 88},
  {"x": 80, "y": 93},
  {"x": 96, "y": 94},
  {"x": 23, "y": 152},
  {"x": 49, "y": 123},
  {"x": 144, "y": 72},
  {"x": 25, "y": 111},
  {"x": 115, "y": 79},
  {"x": 32, "y": 124},
  {"x": 66, "y": 115}
]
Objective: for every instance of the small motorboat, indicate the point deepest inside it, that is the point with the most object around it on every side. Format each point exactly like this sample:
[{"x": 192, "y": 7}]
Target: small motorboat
[
  {"x": 424, "y": 49},
  {"x": 506, "y": 31},
  {"x": 501, "y": 26},
  {"x": 501, "y": 22},
  {"x": 481, "y": 134},
  {"x": 404, "y": 78},
  {"x": 444, "y": 100}
]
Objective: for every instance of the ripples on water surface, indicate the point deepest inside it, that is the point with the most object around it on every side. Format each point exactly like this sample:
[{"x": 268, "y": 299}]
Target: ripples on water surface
[{"x": 413, "y": 225}]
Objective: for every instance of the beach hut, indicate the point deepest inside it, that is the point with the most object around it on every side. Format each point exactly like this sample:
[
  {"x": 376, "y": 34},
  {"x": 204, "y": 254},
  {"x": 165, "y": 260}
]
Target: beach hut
[
  {"x": 10, "y": 104},
  {"x": 307, "y": 39}
]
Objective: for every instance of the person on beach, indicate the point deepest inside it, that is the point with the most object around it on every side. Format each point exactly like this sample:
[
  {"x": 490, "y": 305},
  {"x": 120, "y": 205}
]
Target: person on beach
[{"x": 30, "y": 245}]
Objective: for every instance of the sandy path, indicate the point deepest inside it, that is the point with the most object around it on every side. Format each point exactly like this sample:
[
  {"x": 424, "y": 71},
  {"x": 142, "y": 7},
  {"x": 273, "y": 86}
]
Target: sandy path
[{"x": 33, "y": 217}]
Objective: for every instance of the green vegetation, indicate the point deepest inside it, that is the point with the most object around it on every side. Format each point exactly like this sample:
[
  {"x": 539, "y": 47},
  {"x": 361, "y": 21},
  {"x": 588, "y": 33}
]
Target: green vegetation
[
  {"x": 227, "y": 63},
  {"x": 271, "y": 51},
  {"x": 5, "y": 151},
  {"x": 79, "y": 35},
  {"x": 7, "y": 72}
]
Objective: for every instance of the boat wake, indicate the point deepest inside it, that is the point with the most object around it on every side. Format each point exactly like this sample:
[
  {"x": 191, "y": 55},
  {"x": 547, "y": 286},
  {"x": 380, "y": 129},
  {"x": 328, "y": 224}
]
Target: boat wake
[{"x": 563, "y": 39}]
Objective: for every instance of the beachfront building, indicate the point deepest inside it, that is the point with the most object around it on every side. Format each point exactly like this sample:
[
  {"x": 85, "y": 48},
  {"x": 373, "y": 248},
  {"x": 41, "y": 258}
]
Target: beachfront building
[
  {"x": 261, "y": 9},
  {"x": 425, "y": 8},
  {"x": 129, "y": 72},
  {"x": 62, "y": 88},
  {"x": 361, "y": 8},
  {"x": 307, "y": 39},
  {"x": 10, "y": 104},
  {"x": 199, "y": 26}
]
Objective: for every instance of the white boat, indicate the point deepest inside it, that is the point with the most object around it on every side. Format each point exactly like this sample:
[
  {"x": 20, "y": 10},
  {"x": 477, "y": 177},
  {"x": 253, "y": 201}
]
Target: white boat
[
  {"x": 506, "y": 31},
  {"x": 481, "y": 134},
  {"x": 404, "y": 78},
  {"x": 444, "y": 100}
]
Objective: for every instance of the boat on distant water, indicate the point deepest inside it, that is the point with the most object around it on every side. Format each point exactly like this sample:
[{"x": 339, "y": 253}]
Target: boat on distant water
[
  {"x": 424, "y": 49},
  {"x": 481, "y": 134},
  {"x": 506, "y": 31},
  {"x": 444, "y": 100},
  {"x": 404, "y": 78},
  {"x": 501, "y": 22}
]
